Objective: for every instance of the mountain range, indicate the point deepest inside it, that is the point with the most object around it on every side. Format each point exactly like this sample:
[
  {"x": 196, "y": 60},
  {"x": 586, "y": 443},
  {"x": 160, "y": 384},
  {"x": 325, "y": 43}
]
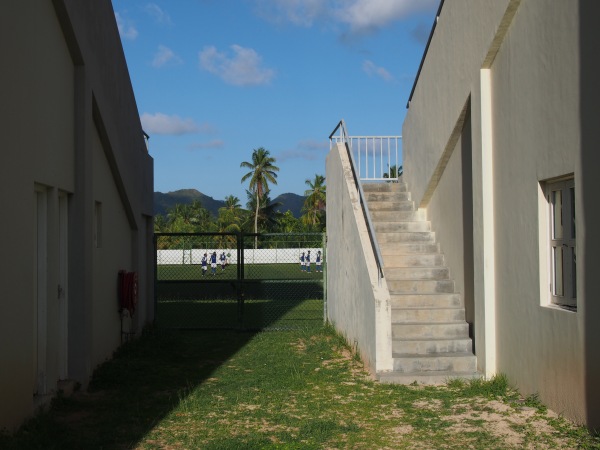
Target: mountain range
[{"x": 164, "y": 201}]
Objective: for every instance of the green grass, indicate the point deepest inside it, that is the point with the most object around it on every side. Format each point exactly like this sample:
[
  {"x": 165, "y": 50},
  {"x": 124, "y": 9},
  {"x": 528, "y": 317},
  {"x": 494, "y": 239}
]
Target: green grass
[
  {"x": 302, "y": 389},
  {"x": 224, "y": 314},
  {"x": 273, "y": 296},
  {"x": 190, "y": 272}
]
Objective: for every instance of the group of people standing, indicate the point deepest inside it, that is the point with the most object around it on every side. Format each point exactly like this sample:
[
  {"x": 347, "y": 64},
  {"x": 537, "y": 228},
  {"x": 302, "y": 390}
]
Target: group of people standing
[
  {"x": 305, "y": 262},
  {"x": 213, "y": 262}
]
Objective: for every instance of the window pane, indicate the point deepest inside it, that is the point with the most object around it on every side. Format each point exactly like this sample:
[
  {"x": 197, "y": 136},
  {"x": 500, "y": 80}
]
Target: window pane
[
  {"x": 557, "y": 224},
  {"x": 572, "y": 194},
  {"x": 558, "y": 271}
]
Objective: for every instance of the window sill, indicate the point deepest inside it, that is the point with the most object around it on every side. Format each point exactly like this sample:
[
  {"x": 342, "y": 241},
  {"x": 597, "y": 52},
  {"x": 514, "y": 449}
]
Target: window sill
[{"x": 566, "y": 308}]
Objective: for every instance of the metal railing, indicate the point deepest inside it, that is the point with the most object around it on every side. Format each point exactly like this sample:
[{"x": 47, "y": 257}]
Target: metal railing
[
  {"x": 344, "y": 138},
  {"x": 377, "y": 157}
]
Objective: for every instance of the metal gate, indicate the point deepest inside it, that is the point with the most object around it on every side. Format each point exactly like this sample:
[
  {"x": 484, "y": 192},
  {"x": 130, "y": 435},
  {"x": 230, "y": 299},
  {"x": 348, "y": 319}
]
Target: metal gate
[{"x": 239, "y": 281}]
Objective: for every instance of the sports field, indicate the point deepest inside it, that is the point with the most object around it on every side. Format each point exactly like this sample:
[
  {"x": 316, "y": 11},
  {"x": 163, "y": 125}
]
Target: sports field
[
  {"x": 251, "y": 271},
  {"x": 269, "y": 296}
]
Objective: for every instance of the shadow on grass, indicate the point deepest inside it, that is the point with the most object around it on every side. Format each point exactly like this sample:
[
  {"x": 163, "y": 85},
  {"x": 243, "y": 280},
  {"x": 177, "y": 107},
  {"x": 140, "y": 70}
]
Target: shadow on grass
[
  {"x": 213, "y": 304},
  {"x": 131, "y": 393},
  {"x": 148, "y": 377}
]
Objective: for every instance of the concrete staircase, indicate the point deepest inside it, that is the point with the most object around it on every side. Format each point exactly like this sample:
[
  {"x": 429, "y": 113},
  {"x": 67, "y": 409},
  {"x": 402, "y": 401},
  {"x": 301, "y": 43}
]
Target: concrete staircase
[{"x": 431, "y": 341}]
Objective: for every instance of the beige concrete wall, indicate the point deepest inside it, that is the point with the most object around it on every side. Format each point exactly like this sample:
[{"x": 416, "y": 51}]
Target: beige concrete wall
[
  {"x": 36, "y": 147},
  {"x": 450, "y": 212},
  {"x": 536, "y": 137},
  {"x": 111, "y": 254},
  {"x": 358, "y": 304},
  {"x": 66, "y": 79},
  {"x": 526, "y": 115},
  {"x": 464, "y": 33}
]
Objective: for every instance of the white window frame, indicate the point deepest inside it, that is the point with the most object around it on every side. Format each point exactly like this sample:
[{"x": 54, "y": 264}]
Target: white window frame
[{"x": 562, "y": 249}]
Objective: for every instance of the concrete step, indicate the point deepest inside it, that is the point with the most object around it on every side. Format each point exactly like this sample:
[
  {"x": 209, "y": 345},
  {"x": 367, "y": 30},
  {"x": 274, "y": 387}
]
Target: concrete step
[
  {"x": 453, "y": 362},
  {"x": 396, "y": 216},
  {"x": 391, "y": 206},
  {"x": 428, "y": 378},
  {"x": 391, "y": 196},
  {"x": 420, "y": 260},
  {"x": 424, "y": 330},
  {"x": 420, "y": 286},
  {"x": 429, "y": 315},
  {"x": 417, "y": 273},
  {"x": 384, "y": 187},
  {"x": 426, "y": 301},
  {"x": 409, "y": 248},
  {"x": 406, "y": 237},
  {"x": 388, "y": 215},
  {"x": 431, "y": 346},
  {"x": 396, "y": 227},
  {"x": 430, "y": 337}
]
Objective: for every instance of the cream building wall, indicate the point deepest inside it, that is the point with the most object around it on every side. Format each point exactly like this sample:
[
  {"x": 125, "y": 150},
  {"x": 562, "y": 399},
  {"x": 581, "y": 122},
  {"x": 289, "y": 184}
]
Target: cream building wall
[
  {"x": 497, "y": 110},
  {"x": 70, "y": 138},
  {"x": 358, "y": 303}
]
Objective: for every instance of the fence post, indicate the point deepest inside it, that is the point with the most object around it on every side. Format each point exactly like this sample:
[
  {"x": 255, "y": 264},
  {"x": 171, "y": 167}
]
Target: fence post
[
  {"x": 240, "y": 278},
  {"x": 324, "y": 262}
]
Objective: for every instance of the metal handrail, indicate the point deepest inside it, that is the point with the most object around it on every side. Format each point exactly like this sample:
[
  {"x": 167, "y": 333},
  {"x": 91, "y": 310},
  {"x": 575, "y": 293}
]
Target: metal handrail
[
  {"x": 375, "y": 150},
  {"x": 361, "y": 195}
]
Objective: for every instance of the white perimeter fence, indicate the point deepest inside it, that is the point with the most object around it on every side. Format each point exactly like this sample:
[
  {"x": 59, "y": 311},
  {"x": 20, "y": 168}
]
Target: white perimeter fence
[{"x": 251, "y": 256}]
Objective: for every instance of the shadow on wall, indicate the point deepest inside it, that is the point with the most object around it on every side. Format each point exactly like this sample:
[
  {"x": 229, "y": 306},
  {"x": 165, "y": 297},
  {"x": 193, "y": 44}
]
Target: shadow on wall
[{"x": 589, "y": 217}]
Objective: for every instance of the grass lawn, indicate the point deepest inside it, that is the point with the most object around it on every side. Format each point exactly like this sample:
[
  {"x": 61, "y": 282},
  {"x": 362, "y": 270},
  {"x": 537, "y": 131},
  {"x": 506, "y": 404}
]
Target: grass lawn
[
  {"x": 302, "y": 389},
  {"x": 273, "y": 271},
  {"x": 279, "y": 296}
]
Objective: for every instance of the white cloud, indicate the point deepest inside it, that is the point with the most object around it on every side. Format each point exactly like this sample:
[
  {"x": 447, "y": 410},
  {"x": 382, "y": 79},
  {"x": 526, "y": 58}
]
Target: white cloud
[
  {"x": 366, "y": 15},
  {"x": 158, "y": 14},
  {"x": 163, "y": 124},
  {"x": 243, "y": 68},
  {"x": 163, "y": 56},
  {"x": 358, "y": 15},
  {"x": 371, "y": 69},
  {"x": 127, "y": 28}
]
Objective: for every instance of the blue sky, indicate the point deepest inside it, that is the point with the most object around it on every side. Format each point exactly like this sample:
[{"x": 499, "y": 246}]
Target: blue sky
[{"x": 215, "y": 79}]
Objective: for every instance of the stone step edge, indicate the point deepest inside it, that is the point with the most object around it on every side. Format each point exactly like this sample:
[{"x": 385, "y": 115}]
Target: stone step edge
[
  {"x": 392, "y": 291},
  {"x": 429, "y": 377},
  {"x": 430, "y": 339},
  {"x": 426, "y": 308},
  {"x": 433, "y": 355},
  {"x": 454, "y": 322}
]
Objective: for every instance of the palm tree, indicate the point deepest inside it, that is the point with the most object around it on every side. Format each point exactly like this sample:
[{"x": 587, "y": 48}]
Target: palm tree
[
  {"x": 229, "y": 221},
  {"x": 393, "y": 172},
  {"x": 262, "y": 172},
  {"x": 315, "y": 200},
  {"x": 232, "y": 203}
]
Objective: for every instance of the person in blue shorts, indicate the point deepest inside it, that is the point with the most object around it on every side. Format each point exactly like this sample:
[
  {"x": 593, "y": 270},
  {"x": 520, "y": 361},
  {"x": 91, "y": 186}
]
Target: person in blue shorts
[
  {"x": 213, "y": 263},
  {"x": 308, "y": 261},
  {"x": 204, "y": 261},
  {"x": 223, "y": 259},
  {"x": 318, "y": 262},
  {"x": 302, "y": 262}
]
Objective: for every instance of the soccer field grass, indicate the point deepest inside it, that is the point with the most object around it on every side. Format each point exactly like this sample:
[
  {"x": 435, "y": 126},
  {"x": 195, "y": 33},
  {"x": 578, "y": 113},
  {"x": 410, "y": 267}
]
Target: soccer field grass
[
  {"x": 251, "y": 271},
  {"x": 270, "y": 296}
]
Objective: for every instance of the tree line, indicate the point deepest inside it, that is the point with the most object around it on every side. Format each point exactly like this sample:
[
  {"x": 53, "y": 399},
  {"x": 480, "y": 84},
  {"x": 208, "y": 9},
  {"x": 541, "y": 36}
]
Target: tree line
[{"x": 260, "y": 215}]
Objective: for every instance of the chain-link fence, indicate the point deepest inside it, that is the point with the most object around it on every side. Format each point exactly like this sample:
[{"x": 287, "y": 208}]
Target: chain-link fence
[{"x": 241, "y": 281}]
